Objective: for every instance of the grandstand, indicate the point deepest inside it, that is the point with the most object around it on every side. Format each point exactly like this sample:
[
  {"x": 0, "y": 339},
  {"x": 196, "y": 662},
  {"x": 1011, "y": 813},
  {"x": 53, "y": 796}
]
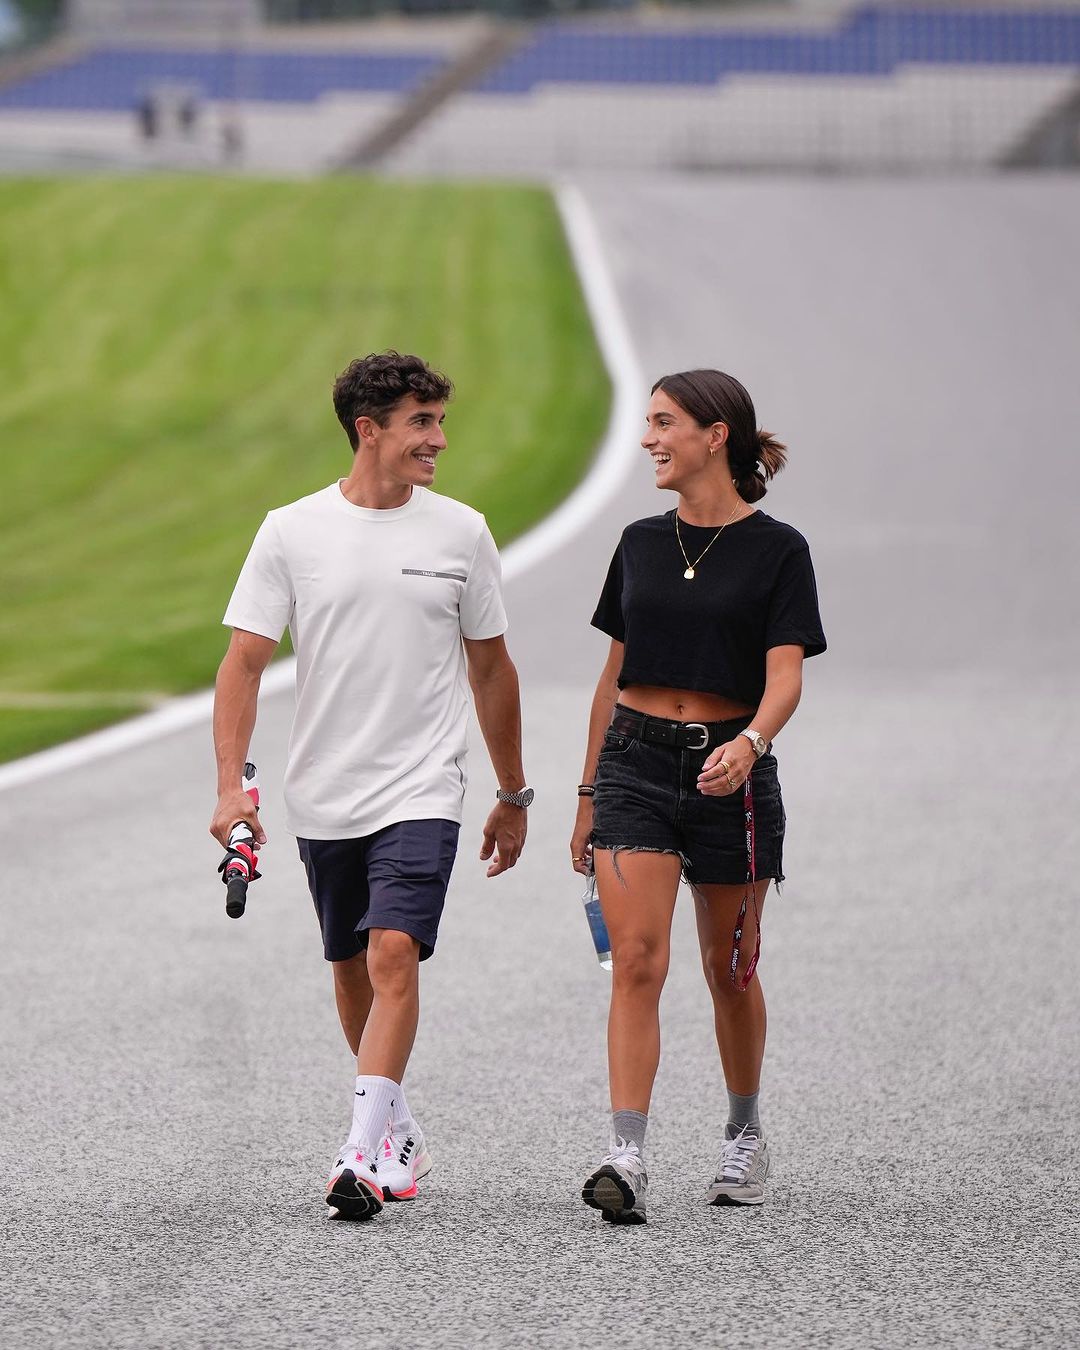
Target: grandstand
[
  {"x": 886, "y": 87},
  {"x": 876, "y": 88},
  {"x": 268, "y": 100}
]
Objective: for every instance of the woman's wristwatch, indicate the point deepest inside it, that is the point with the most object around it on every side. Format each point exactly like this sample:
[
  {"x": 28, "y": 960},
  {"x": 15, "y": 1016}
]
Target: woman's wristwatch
[
  {"x": 523, "y": 798},
  {"x": 757, "y": 740}
]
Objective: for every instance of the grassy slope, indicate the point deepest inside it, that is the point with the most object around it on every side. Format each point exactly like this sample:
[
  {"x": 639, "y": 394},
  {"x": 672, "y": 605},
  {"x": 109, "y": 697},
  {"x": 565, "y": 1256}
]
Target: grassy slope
[{"x": 168, "y": 348}]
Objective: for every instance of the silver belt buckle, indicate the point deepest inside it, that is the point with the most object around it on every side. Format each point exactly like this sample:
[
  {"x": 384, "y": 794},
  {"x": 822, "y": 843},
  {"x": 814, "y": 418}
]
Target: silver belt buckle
[{"x": 699, "y": 726}]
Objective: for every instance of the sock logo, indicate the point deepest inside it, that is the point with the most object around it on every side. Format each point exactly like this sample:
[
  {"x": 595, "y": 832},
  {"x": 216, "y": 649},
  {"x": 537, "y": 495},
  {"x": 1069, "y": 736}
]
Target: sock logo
[{"x": 362, "y": 1092}]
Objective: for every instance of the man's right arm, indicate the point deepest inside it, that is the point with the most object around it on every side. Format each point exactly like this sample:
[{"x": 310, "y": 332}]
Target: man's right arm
[{"x": 236, "y": 698}]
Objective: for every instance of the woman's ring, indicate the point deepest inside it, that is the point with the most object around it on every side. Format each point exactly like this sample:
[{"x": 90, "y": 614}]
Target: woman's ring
[{"x": 726, "y": 768}]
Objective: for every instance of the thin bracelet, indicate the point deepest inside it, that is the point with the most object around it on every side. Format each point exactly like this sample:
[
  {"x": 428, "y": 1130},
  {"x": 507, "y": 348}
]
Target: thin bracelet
[{"x": 586, "y": 790}]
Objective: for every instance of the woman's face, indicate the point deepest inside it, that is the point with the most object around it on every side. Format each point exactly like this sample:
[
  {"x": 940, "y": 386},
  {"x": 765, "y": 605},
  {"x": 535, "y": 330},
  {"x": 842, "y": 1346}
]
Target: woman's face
[{"x": 680, "y": 449}]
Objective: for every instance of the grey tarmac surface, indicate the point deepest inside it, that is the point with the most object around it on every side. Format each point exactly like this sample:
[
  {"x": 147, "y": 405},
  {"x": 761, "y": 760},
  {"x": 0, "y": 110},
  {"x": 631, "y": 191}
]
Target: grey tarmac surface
[{"x": 175, "y": 1083}]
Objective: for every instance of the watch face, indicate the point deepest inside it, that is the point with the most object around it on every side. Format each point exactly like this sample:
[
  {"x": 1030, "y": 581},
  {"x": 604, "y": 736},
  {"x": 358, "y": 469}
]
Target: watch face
[{"x": 527, "y": 797}]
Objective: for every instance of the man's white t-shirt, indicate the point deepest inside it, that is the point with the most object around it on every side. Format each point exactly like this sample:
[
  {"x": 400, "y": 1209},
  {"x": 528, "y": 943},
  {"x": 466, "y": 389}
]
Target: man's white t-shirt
[{"x": 377, "y": 603}]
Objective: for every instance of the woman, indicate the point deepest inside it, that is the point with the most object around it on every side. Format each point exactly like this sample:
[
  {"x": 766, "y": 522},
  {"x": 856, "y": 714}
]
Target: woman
[{"x": 711, "y": 609}]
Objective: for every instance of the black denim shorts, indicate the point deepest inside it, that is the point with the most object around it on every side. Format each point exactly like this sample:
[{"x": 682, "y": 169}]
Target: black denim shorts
[{"x": 647, "y": 798}]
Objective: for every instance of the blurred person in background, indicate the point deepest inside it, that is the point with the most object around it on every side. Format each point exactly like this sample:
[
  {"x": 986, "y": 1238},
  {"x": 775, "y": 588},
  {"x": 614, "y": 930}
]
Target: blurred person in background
[
  {"x": 393, "y": 595},
  {"x": 711, "y": 609}
]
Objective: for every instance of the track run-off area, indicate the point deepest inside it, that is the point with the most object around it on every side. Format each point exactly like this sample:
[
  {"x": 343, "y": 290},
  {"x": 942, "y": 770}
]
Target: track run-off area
[{"x": 175, "y": 1082}]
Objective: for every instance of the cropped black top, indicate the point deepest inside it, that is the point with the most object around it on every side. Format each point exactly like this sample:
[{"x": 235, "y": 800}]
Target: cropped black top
[{"x": 753, "y": 590}]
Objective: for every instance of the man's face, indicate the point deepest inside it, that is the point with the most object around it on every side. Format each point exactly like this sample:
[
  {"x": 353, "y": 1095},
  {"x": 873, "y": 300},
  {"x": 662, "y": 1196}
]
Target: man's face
[{"x": 405, "y": 450}]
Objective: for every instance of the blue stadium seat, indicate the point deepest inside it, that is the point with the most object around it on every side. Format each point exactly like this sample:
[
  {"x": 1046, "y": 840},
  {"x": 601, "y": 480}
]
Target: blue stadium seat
[
  {"x": 113, "y": 79},
  {"x": 869, "y": 42}
]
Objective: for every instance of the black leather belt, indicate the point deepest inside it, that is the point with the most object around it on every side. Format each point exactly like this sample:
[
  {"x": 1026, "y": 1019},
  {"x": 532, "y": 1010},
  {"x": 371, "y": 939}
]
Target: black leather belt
[{"x": 678, "y": 735}]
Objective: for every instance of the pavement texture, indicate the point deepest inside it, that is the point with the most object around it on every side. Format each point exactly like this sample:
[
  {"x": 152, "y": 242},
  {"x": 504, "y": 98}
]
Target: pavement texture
[{"x": 175, "y": 1083}]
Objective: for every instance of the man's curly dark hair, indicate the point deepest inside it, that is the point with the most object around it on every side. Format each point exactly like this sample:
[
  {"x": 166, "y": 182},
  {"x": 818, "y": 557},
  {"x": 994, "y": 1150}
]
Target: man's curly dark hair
[{"x": 374, "y": 385}]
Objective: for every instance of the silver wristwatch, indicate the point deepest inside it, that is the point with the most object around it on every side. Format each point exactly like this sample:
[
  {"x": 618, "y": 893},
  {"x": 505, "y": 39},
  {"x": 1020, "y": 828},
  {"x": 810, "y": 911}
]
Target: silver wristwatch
[
  {"x": 523, "y": 798},
  {"x": 757, "y": 740}
]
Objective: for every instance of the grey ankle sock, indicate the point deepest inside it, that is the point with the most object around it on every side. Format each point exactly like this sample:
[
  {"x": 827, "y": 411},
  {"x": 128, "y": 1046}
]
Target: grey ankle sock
[
  {"x": 742, "y": 1111},
  {"x": 630, "y": 1125}
]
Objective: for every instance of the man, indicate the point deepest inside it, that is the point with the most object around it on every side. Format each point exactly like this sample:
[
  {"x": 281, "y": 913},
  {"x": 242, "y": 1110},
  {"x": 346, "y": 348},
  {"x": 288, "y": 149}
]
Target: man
[{"x": 382, "y": 583}]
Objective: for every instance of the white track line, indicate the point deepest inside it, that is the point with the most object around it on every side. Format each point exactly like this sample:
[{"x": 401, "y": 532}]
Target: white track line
[
  {"x": 619, "y": 449},
  {"x": 617, "y": 452}
]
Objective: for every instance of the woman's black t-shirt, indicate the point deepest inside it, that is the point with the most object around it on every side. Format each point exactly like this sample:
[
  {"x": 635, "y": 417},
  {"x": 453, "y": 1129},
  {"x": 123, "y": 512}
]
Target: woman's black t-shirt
[{"x": 753, "y": 590}]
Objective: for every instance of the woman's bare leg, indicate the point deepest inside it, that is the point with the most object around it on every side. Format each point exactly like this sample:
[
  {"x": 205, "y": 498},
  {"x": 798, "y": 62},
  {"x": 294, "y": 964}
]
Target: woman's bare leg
[
  {"x": 740, "y": 1018},
  {"x": 637, "y": 895}
]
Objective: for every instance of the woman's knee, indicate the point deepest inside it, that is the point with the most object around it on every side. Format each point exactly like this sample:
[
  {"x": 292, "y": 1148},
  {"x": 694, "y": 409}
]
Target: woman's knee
[
  {"x": 639, "y": 964},
  {"x": 716, "y": 962}
]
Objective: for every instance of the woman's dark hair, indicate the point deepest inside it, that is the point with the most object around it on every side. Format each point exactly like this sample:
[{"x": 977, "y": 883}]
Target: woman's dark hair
[
  {"x": 374, "y": 385},
  {"x": 754, "y": 454}
]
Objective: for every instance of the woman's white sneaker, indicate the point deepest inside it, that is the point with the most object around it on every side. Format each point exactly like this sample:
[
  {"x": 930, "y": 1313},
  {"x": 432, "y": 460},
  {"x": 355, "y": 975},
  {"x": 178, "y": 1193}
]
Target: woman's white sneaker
[
  {"x": 741, "y": 1171},
  {"x": 403, "y": 1161},
  {"x": 617, "y": 1188},
  {"x": 353, "y": 1189}
]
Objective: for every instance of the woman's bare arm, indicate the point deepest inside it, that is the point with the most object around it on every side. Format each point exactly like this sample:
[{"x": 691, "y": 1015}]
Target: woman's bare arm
[
  {"x": 604, "y": 700},
  {"x": 783, "y": 689}
]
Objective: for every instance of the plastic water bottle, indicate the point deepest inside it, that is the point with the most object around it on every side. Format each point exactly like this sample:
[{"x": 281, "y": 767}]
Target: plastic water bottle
[{"x": 597, "y": 926}]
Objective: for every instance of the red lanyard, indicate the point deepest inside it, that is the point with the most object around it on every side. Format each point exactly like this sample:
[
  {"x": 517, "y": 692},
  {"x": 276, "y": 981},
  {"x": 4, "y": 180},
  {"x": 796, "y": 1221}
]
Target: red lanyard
[{"x": 751, "y": 886}]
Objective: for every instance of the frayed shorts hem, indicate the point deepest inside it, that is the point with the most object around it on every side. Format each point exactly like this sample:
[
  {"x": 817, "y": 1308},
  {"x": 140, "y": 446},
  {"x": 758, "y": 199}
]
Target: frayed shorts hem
[{"x": 700, "y": 874}]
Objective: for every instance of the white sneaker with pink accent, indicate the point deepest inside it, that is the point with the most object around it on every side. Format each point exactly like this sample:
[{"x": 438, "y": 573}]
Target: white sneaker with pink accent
[
  {"x": 353, "y": 1189},
  {"x": 403, "y": 1159}
]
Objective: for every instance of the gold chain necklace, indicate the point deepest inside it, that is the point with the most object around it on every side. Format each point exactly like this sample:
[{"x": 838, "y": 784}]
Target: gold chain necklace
[{"x": 690, "y": 566}]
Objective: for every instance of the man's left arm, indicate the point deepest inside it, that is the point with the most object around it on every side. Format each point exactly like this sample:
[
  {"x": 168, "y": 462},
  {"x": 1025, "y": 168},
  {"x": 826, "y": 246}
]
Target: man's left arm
[{"x": 494, "y": 683}]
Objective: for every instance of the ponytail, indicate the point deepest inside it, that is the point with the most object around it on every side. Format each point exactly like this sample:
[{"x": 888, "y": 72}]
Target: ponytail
[{"x": 750, "y": 477}]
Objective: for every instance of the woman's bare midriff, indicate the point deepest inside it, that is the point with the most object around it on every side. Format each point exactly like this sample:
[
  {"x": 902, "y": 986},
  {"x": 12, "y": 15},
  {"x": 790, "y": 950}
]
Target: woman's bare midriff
[{"x": 681, "y": 705}]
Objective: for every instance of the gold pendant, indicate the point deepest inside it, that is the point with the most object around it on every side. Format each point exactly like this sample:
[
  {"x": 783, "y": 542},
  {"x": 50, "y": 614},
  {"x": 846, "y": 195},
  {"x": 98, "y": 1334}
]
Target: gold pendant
[{"x": 689, "y": 574}]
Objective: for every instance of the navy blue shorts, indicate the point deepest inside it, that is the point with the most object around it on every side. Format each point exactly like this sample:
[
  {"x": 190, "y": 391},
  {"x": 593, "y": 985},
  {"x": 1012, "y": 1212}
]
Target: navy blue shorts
[
  {"x": 647, "y": 798},
  {"x": 395, "y": 878}
]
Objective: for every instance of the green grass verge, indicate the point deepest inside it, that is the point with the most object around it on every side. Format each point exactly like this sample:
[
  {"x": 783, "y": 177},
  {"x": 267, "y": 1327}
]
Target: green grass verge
[
  {"x": 24, "y": 730},
  {"x": 169, "y": 345}
]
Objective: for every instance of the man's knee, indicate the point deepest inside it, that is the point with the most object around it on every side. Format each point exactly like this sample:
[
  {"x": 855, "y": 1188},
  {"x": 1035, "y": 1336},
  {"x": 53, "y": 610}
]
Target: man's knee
[
  {"x": 352, "y": 971},
  {"x": 352, "y": 984},
  {"x": 393, "y": 959}
]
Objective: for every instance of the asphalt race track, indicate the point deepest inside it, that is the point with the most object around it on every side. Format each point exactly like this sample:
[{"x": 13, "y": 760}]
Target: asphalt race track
[{"x": 175, "y": 1083}]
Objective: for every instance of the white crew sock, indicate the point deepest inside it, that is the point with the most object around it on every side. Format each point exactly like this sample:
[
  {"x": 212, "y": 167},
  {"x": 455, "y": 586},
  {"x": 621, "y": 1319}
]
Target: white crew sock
[
  {"x": 400, "y": 1115},
  {"x": 371, "y": 1111}
]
